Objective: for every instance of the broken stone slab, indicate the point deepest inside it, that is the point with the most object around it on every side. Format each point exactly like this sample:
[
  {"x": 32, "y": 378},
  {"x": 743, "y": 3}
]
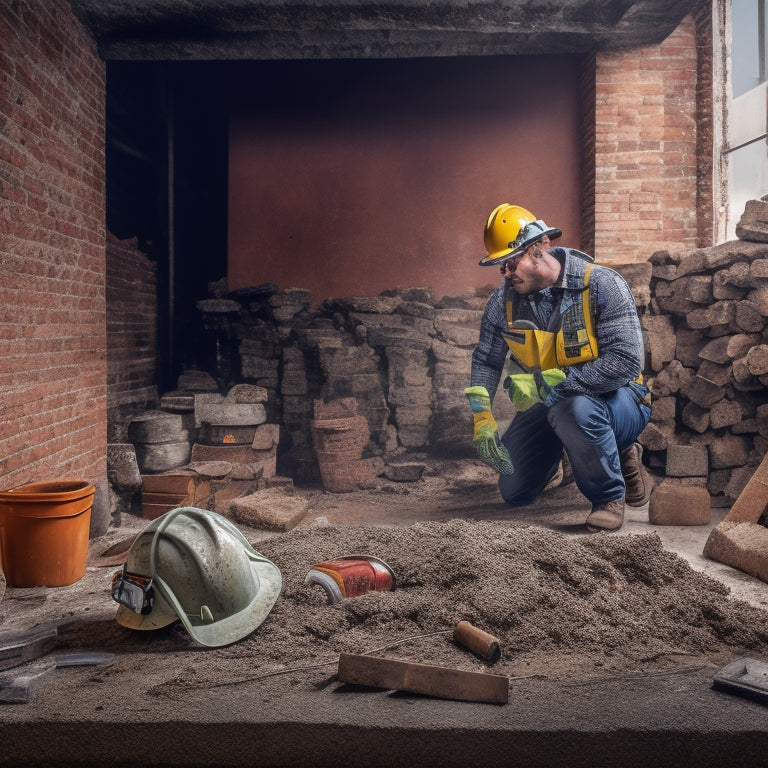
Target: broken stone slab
[
  {"x": 725, "y": 413},
  {"x": 673, "y": 504},
  {"x": 270, "y": 509}
]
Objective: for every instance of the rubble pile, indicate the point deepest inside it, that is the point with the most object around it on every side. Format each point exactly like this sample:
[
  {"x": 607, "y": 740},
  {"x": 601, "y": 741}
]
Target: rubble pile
[
  {"x": 706, "y": 330},
  {"x": 403, "y": 356}
]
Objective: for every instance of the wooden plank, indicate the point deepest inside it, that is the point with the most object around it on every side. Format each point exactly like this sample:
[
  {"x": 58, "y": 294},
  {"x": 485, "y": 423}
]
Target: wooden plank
[{"x": 426, "y": 679}]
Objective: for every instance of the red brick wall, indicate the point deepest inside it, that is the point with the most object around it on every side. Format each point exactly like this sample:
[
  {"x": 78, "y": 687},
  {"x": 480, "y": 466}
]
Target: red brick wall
[
  {"x": 131, "y": 333},
  {"x": 645, "y": 154},
  {"x": 52, "y": 303}
]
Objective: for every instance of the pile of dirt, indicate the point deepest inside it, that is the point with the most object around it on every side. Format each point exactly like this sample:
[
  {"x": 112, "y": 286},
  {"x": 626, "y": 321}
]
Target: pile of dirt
[{"x": 560, "y": 606}]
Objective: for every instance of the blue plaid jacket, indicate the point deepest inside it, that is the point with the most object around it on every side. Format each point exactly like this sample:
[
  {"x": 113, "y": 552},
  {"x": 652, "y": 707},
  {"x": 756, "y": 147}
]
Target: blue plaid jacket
[{"x": 617, "y": 328}]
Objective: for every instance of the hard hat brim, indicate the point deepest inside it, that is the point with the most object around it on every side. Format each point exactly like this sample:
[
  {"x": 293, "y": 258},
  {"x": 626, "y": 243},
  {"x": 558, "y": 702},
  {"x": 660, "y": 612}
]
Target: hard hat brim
[
  {"x": 552, "y": 233},
  {"x": 498, "y": 258}
]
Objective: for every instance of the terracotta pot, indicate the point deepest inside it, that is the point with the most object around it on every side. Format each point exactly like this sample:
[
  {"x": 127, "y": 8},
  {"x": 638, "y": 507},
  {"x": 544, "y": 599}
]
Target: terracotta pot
[{"x": 44, "y": 530}]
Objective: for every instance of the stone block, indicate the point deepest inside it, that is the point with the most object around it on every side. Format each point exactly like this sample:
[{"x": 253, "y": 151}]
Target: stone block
[
  {"x": 232, "y": 414},
  {"x": 753, "y": 225},
  {"x": 741, "y": 545},
  {"x": 266, "y": 437},
  {"x": 660, "y": 335},
  {"x": 160, "y": 457},
  {"x": 724, "y": 414},
  {"x": 671, "y": 379},
  {"x": 404, "y": 471},
  {"x": 155, "y": 427},
  {"x": 246, "y": 394},
  {"x": 719, "y": 375},
  {"x": 696, "y": 418},
  {"x": 270, "y": 509},
  {"x": 748, "y": 317},
  {"x": 753, "y": 500},
  {"x": 741, "y": 343},
  {"x": 679, "y": 505},
  {"x": 719, "y": 313},
  {"x": 729, "y": 451},
  {"x": 703, "y": 392},
  {"x": 687, "y": 460},
  {"x": 716, "y": 350},
  {"x": 757, "y": 360},
  {"x": 688, "y": 345}
]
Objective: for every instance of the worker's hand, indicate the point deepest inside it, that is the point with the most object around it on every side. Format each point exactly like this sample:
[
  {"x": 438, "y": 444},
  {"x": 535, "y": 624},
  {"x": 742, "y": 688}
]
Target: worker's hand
[
  {"x": 485, "y": 440},
  {"x": 527, "y": 389}
]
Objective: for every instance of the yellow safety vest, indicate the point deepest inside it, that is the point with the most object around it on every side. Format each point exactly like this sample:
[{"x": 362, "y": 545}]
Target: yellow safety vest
[{"x": 573, "y": 342}]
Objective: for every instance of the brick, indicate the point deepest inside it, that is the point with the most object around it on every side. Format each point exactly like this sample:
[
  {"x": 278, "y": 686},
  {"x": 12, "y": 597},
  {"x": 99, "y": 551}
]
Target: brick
[
  {"x": 687, "y": 460},
  {"x": 679, "y": 505}
]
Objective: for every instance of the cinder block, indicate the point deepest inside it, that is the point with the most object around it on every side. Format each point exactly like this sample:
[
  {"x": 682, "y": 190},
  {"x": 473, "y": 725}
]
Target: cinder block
[
  {"x": 678, "y": 505},
  {"x": 687, "y": 460}
]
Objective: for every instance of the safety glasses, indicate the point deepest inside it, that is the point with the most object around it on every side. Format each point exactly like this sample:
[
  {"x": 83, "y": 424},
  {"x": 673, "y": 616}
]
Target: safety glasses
[
  {"x": 512, "y": 262},
  {"x": 133, "y": 591}
]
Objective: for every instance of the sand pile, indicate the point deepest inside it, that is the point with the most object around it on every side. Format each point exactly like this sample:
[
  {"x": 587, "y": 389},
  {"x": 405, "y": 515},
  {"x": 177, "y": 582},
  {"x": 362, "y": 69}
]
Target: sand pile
[
  {"x": 562, "y": 607},
  {"x": 621, "y": 602}
]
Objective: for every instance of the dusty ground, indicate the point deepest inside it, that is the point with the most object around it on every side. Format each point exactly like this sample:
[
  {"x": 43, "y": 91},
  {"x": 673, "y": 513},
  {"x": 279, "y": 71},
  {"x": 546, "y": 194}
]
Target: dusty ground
[{"x": 564, "y": 605}]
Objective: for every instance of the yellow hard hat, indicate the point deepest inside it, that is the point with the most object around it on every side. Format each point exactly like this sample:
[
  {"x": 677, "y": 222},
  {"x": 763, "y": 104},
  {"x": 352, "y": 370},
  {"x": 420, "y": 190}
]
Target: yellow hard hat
[
  {"x": 502, "y": 228},
  {"x": 511, "y": 229}
]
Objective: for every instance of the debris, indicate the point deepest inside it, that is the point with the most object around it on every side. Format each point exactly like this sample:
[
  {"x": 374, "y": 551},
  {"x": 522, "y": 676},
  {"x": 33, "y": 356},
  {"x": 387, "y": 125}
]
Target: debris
[
  {"x": 25, "y": 646},
  {"x": 486, "y": 646},
  {"x": 23, "y": 686},
  {"x": 350, "y": 576},
  {"x": 744, "y": 677},
  {"x": 426, "y": 679}
]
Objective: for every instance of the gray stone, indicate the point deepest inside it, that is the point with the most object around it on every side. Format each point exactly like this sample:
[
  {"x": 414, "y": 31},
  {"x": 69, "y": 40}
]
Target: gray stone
[
  {"x": 246, "y": 394},
  {"x": 159, "y": 457},
  {"x": 155, "y": 427},
  {"x": 748, "y": 317},
  {"x": 122, "y": 467},
  {"x": 232, "y": 414},
  {"x": 719, "y": 313}
]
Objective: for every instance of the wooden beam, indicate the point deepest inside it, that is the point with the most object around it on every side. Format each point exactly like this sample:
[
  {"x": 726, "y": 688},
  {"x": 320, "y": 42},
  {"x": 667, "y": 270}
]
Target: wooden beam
[{"x": 426, "y": 679}]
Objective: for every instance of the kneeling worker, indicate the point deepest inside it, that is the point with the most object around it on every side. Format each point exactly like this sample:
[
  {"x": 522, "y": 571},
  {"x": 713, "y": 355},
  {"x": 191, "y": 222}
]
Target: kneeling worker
[{"x": 572, "y": 334}]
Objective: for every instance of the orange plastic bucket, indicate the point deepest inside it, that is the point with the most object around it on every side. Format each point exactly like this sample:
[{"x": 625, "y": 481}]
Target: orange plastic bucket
[{"x": 44, "y": 529}]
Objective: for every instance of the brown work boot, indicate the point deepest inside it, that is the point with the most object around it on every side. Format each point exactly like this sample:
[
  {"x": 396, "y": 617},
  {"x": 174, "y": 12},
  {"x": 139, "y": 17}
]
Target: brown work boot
[
  {"x": 636, "y": 478},
  {"x": 608, "y": 516}
]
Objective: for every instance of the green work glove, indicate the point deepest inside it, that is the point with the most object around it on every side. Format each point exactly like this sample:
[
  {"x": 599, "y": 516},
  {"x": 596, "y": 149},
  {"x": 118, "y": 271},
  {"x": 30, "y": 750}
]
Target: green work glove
[
  {"x": 485, "y": 439},
  {"x": 527, "y": 389}
]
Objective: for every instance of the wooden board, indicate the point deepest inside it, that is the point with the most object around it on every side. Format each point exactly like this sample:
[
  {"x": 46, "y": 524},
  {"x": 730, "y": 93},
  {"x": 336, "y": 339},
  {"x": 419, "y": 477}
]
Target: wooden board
[{"x": 426, "y": 679}]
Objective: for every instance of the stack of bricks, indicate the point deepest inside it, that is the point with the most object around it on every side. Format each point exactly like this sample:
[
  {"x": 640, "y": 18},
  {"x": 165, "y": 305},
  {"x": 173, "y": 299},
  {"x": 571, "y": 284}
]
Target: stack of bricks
[
  {"x": 339, "y": 435},
  {"x": 707, "y": 341},
  {"x": 682, "y": 498}
]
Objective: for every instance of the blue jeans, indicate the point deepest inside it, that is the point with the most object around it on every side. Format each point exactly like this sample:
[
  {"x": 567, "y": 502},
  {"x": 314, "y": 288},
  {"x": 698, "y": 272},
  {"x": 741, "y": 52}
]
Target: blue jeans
[{"x": 592, "y": 429}]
